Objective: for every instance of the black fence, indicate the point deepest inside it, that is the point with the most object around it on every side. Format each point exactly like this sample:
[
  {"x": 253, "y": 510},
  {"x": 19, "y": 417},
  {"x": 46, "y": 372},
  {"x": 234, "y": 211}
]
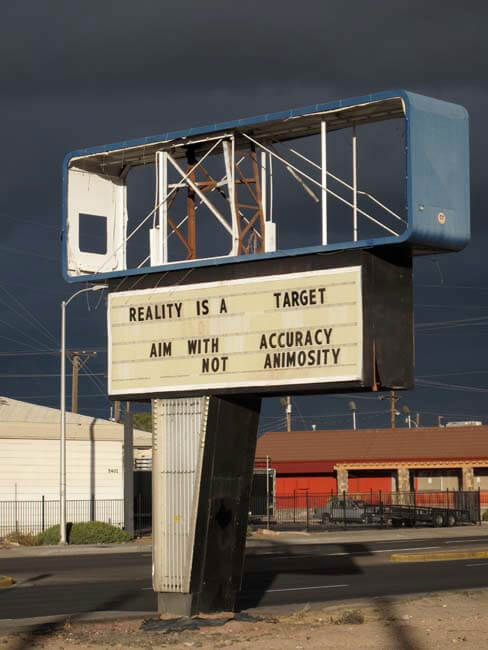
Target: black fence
[
  {"x": 299, "y": 510},
  {"x": 323, "y": 511},
  {"x": 36, "y": 516}
]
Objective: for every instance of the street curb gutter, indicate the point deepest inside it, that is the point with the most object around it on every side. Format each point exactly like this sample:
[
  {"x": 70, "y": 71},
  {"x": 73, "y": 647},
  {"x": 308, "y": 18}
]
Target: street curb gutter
[
  {"x": 439, "y": 556},
  {"x": 6, "y": 581}
]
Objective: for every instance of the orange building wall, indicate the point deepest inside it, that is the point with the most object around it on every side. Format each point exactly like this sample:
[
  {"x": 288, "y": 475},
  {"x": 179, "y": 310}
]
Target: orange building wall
[
  {"x": 365, "y": 481},
  {"x": 315, "y": 484}
]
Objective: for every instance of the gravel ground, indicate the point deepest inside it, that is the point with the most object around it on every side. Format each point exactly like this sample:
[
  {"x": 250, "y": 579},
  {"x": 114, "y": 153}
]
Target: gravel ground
[{"x": 433, "y": 621}]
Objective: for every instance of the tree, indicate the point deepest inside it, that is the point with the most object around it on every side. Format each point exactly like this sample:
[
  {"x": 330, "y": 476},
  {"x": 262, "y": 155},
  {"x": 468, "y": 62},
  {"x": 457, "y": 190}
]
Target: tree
[{"x": 142, "y": 421}]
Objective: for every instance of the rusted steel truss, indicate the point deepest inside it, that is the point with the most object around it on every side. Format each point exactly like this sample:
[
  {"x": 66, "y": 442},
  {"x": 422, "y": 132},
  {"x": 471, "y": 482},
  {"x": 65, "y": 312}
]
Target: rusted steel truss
[
  {"x": 249, "y": 207},
  {"x": 241, "y": 189}
]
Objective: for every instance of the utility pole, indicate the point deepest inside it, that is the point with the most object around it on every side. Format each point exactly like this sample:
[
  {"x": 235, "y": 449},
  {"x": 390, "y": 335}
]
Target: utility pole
[
  {"x": 75, "y": 360},
  {"x": 393, "y": 397},
  {"x": 117, "y": 410}
]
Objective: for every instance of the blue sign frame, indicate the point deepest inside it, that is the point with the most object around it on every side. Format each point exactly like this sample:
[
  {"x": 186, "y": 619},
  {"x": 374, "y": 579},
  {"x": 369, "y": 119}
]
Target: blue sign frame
[{"x": 437, "y": 169}]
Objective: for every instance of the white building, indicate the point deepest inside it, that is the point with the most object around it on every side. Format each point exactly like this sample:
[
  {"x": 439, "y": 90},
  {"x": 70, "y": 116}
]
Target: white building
[{"x": 30, "y": 454}]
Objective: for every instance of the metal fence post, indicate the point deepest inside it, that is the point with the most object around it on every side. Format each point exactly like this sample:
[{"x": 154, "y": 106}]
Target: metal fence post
[
  {"x": 306, "y": 504},
  {"x": 479, "y": 505},
  {"x": 344, "y": 508},
  {"x": 43, "y": 519},
  {"x": 267, "y": 494},
  {"x": 92, "y": 507},
  {"x": 294, "y": 506}
]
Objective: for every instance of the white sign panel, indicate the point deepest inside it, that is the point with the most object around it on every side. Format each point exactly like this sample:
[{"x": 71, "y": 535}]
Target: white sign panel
[{"x": 301, "y": 328}]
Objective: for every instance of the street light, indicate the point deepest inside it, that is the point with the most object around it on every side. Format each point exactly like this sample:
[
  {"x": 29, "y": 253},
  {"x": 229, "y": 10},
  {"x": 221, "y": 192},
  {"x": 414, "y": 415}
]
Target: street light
[
  {"x": 406, "y": 410},
  {"x": 352, "y": 406},
  {"x": 62, "y": 474}
]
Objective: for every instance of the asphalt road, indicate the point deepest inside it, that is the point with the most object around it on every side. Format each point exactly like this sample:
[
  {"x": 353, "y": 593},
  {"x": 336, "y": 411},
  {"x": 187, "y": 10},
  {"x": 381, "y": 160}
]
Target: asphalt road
[{"x": 280, "y": 574}]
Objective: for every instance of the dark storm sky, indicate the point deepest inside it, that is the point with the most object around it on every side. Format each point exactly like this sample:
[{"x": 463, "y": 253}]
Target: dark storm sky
[{"x": 75, "y": 75}]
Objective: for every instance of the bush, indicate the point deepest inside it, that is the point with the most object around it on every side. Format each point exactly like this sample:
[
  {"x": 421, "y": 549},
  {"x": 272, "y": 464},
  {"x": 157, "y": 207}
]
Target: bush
[
  {"x": 485, "y": 516},
  {"x": 97, "y": 532},
  {"x": 88, "y": 532},
  {"x": 24, "y": 539},
  {"x": 50, "y": 535}
]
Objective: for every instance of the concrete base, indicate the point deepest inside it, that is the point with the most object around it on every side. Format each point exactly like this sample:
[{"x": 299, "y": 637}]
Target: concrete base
[{"x": 177, "y": 604}]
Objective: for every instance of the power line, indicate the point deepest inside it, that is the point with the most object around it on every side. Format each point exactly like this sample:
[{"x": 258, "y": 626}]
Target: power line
[
  {"x": 477, "y": 320},
  {"x": 460, "y": 388},
  {"x": 29, "y": 336},
  {"x": 56, "y": 374},
  {"x": 450, "y": 374},
  {"x": 452, "y": 286},
  {"x": 30, "y": 316},
  {"x": 4, "y": 215},
  {"x": 19, "y": 251},
  {"x": 419, "y": 304},
  {"x": 56, "y": 395}
]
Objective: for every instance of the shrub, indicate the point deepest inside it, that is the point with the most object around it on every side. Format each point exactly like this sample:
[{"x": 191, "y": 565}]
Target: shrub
[
  {"x": 50, "y": 535},
  {"x": 24, "y": 539},
  {"x": 97, "y": 532},
  {"x": 485, "y": 516},
  {"x": 88, "y": 532}
]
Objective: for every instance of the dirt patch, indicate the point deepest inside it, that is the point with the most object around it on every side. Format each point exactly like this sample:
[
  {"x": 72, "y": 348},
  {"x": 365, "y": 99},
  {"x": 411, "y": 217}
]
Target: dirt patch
[{"x": 434, "y": 621}]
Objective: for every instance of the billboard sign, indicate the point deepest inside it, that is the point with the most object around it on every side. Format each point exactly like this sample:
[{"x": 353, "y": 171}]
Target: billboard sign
[{"x": 261, "y": 332}]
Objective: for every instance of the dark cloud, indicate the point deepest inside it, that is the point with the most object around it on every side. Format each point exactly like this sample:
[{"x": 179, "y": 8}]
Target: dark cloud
[
  {"x": 228, "y": 44},
  {"x": 78, "y": 74}
]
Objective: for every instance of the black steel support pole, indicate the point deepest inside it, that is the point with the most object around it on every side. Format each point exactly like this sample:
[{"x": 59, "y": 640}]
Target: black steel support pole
[{"x": 128, "y": 473}]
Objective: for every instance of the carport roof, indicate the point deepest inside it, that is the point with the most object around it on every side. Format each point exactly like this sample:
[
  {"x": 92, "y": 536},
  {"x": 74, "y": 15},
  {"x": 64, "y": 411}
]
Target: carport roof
[{"x": 375, "y": 445}]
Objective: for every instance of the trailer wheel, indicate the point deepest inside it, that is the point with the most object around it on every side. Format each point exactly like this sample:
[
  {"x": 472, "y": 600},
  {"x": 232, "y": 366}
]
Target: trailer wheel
[
  {"x": 451, "y": 519},
  {"x": 438, "y": 520}
]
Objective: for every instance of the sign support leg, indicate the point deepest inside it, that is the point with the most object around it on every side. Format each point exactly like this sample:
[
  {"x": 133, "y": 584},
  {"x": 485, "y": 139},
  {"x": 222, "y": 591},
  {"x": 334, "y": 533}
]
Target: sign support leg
[{"x": 202, "y": 475}]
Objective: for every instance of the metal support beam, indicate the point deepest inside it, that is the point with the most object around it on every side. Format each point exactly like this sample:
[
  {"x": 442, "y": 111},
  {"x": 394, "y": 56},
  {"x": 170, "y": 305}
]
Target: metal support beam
[
  {"x": 228, "y": 147},
  {"x": 190, "y": 210},
  {"x": 263, "y": 185},
  {"x": 200, "y": 194},
  {"x": 323, "y": 163},
  {"x": 162, "y": 162},
  {"x": 355, "y": 183},
  {"x": 319, "y": 184}
]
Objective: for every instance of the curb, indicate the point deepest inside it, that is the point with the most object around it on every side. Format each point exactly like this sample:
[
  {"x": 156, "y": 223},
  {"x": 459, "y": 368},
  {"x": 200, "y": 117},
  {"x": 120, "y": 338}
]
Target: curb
[
  {"x": 6, "y": 581},
  {"x": 439, "y": 556}
]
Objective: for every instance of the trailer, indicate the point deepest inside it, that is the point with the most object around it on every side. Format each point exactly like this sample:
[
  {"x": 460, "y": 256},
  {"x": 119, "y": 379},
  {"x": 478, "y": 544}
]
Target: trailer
[
  {"x": 349, "y": 510},
  {"x": 402, "y": 515}
]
